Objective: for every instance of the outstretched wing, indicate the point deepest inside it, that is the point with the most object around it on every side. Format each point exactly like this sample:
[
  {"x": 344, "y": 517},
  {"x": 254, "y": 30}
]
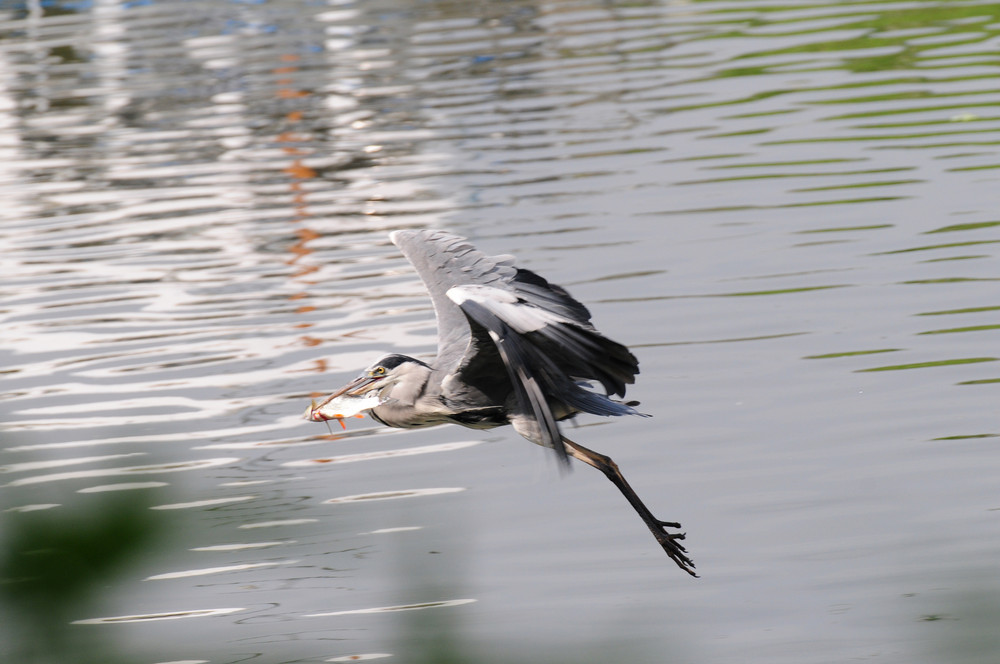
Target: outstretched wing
[
  {"x": 444, "y": 261},
  {"x": 494, "y": 318}
]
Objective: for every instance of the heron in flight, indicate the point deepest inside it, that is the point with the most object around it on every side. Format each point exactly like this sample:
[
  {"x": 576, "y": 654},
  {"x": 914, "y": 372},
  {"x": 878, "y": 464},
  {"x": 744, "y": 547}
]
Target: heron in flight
[{"x": 512, "y": 349}]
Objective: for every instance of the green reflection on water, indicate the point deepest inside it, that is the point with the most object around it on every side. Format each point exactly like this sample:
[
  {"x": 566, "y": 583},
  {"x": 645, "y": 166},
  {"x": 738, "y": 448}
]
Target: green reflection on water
[
  {"x": 965, "y": 310},
  {"x": 987, "y": 167},
  {"x": 841, "y": 229},
  {"x": 874, "y": 32},
  {"x": 956, "y": 258},
  {"x": 930, "y": 122},
  {"x": 858, "y": 185},
  {"x": 926, "y": 365},
  {"x": 981, "y": 381},
  {"x": 772, "y": 176},
  {"x": 951, "y": 280},
  {"x": 971, "y": 328},
  {"x": 930, "y": 247},
  {"x": 966, "y": 227},
  {"x": 851, "y": 353},
  {"x": 779, "y": 291}
]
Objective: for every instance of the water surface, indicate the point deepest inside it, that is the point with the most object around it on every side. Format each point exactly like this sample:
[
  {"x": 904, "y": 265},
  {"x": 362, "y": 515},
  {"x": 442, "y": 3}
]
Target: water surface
[{"x": 787, "y": 210}]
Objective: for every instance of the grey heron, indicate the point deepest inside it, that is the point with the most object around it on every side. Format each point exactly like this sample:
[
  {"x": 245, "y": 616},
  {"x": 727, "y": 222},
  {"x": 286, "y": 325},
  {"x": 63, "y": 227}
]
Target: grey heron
[{"x": 512, "y": 349}]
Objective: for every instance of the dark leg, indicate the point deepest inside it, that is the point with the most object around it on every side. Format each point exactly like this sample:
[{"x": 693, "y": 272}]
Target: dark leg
[{"x": 669, "y": 541}]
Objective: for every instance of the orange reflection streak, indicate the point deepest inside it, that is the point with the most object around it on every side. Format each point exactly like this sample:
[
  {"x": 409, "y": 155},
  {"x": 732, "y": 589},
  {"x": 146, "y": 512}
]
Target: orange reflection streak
[
  {"x": 297, "y": 170},
  {"x": 293, "y": 143}
]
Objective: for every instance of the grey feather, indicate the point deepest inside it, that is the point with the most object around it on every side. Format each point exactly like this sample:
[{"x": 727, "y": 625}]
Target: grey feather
[{"x": 444, "y": 260}]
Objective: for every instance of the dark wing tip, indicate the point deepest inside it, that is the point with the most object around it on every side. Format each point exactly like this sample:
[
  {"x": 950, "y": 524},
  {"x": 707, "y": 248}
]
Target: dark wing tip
[{"x": 549, "y": 296}]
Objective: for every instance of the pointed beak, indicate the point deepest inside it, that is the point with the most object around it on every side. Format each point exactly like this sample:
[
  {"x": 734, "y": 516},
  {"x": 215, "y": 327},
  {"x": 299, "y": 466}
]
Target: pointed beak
[{"x": 356, "y": 388}]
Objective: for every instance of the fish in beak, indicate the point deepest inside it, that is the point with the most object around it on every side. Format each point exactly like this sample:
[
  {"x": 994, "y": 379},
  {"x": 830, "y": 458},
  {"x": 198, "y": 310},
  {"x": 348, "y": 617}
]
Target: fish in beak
[{"x": 349, "y": 401}]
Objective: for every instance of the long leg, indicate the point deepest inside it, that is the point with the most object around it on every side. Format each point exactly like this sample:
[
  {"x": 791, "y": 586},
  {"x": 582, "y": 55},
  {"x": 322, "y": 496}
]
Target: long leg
[{"x": 669, "y": 541}]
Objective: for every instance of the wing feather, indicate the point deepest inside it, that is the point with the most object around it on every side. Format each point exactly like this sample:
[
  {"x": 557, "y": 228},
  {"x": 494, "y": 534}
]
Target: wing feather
[
  {"x": 444, "y": 260},
  {"x": 548, "y": 354},
  {"x": 519, "y": 362}
]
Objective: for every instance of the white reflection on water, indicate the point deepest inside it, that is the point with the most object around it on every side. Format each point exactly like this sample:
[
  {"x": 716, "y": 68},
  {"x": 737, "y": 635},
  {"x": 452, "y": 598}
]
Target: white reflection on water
[
  {"x": 203, "y": 503},
  {"x": 277, "y": 524},
  {"x": 392, "y": 609},
  {"x": 400, "y": 529},
  {"x": 168, "y": 437},
  {"x": 137, "y": 411},
  {"x": 384, "y": 454},
  {"x": 205, "y": 571},
  {"x": 150, "y": 617},
  {"x": 247, "y": 483},
  {"x": 122, "y": 486},
  {"x": 58, "y": 463},
  {"x": 173, "y": 467},
  {"x": 32, "y": 508},
  {"x": 393, "y": 495},
  {"x": 242, "y": 546}
]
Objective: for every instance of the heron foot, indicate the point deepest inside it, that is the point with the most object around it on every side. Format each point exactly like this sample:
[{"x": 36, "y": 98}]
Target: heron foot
[{"x": 672, "y": 546}]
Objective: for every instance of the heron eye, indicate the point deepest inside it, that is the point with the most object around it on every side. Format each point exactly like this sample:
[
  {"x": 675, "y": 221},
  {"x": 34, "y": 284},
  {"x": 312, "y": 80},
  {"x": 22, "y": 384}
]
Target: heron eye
[{"x": 378, "y": 371}]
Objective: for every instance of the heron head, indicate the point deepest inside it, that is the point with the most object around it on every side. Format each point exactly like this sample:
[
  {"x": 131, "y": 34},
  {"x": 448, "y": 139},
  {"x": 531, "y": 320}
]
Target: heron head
[{"x": 385, "y": 372}]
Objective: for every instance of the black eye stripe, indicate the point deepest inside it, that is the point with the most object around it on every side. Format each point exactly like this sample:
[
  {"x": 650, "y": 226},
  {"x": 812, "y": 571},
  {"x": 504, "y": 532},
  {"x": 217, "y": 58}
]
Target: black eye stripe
[{"x": 390, "y": 362}]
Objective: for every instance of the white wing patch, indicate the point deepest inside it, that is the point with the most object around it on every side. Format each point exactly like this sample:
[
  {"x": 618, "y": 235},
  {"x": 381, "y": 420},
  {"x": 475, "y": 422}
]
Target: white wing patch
[{"x": 503, "y": 304}]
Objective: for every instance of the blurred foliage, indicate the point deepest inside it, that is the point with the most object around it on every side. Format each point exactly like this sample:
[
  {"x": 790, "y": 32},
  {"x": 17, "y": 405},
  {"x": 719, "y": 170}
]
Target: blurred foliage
[{"x": 55, "y": 565}]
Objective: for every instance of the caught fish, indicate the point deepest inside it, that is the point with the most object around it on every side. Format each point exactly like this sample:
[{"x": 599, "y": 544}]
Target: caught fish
[{"x": 340, "y": 407}]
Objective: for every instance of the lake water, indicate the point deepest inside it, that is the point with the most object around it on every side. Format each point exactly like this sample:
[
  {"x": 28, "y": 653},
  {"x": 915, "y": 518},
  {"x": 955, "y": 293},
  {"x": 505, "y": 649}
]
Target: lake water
[{"x": 789, "y": 211}]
